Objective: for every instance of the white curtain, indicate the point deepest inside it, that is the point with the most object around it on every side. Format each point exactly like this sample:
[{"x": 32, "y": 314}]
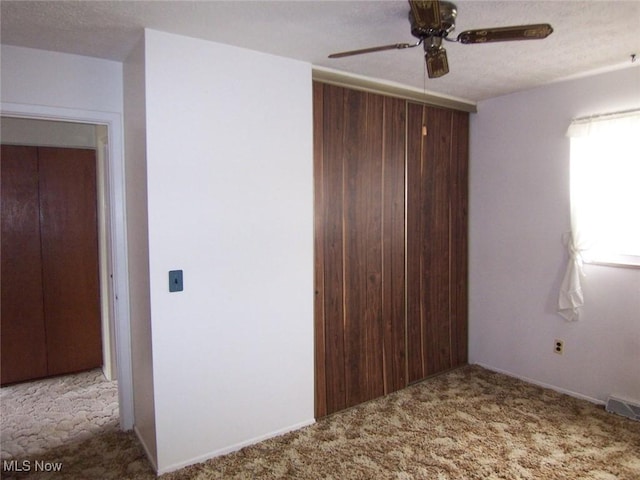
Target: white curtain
[
  {"x": 571, "y": 297},
  {"x": 600, "y": 142}
]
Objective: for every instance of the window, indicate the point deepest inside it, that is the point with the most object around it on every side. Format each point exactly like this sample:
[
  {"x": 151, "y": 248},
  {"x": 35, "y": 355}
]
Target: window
[
  {"x": 605, "y": 199},
  {"x": 605, "y": 188}
]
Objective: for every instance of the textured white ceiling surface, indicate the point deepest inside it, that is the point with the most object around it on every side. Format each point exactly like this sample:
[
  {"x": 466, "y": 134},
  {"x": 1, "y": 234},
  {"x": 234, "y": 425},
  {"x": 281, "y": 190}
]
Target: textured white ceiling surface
[{"x": 589, "y": 36}]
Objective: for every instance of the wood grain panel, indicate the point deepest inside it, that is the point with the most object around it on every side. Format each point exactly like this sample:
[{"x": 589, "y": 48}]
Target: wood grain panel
[
  {"x": 372, "y": 195},
  {"x": 22, "y": 328},
  {"x": 333, "y": 239},
  {"x": 355, "y": 224},
  {"x": 436, "y": 251},
  {"x": 319, "y": 253},
  {"x": 415, "y": 235},
  {"x": 436, "y": 240},
  {"x": 393, "y": 244},
  {"x": 360, "y": 208},
  {"x": 70, "y": 258},
  {"x": 459, "y": 238},
  {"x": 390, "y": 247}
]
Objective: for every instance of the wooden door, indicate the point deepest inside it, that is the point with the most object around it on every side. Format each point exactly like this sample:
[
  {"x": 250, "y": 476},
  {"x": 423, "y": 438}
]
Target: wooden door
[
  {"x": 22, "y": 331},
  {"x": 436, "y": 240},
  {"x": 70, "y": 258},
  {"x": 359, "y": 250},
  {"x": 391, "y": 289},
  {"x": 50, "y": 295},
  {"x": 459, "y": 245}
]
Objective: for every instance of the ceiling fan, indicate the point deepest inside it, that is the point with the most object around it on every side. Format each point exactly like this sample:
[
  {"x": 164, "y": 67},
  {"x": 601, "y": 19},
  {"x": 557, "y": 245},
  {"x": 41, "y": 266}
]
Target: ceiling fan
[{"x": 433, "y": 20}]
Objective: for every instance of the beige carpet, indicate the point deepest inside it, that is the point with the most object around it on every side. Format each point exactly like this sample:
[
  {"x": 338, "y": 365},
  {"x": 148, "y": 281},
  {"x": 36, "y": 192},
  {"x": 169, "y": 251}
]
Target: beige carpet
[
  {"x": 40, "y": 415},
  {"x": 466, "y": 424}
]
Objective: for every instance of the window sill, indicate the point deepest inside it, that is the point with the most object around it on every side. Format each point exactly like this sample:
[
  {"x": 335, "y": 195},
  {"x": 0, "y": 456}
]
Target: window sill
[{"x": 623, "y": 261}]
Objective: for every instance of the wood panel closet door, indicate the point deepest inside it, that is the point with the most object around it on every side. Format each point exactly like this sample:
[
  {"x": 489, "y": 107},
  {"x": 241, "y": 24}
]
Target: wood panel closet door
[
  {"x": 70, "y": 259},
  {"x": 50, "y": 296},
  {"x": 359, "y": 208},
  {"x": 437, "y": 160},
  {"x": 22, "y": 331},
  {"x": 459, "y": 246}
]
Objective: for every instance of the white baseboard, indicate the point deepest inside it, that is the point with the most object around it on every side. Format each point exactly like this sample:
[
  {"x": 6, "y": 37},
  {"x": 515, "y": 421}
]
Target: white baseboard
[
  {"x": 233, "y": 448},
  {"x": 542, "y": 384}
]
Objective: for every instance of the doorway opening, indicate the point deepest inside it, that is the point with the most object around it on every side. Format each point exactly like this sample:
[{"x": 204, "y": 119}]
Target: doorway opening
[
  {"x": 108, "y": 127},
  {"x": 58, "y": 178},
  {"x": 56, "y": 275}
]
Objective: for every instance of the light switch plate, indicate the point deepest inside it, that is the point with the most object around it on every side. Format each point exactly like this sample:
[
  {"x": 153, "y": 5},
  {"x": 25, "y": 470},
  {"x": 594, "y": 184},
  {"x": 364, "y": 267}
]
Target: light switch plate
[{"x": 175, "y": 281}]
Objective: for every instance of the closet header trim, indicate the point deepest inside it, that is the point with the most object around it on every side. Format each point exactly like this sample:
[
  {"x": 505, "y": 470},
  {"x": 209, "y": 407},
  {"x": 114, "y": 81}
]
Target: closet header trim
[{"x": 373, "y": 86}]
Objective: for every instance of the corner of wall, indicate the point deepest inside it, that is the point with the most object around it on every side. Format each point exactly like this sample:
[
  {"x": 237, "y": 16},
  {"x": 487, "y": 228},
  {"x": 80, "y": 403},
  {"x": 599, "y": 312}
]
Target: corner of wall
[{"x": 138, "y": 248}]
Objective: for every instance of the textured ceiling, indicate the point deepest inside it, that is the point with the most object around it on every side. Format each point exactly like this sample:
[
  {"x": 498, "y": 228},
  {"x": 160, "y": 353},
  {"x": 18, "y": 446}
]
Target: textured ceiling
[{"x": 588, "y": 36}]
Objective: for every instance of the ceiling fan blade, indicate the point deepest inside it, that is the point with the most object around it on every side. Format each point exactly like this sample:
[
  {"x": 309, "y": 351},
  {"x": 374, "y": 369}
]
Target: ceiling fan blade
[
  {"x": 506, "y": 34},
  {"x": 437, "y": 64},
  {"x": 426, "y": 14},
  {"x": 394, "y": 46}
]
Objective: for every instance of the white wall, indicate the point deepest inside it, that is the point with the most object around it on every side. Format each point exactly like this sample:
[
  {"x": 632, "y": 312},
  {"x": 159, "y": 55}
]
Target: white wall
[
  {"x": 138, "y": 243},
  {"x": 519, "y": 208},
  {"x": 229, "y": 179},
  {"x": 26, "y": 131},
  {"x": 37, "y": 77}
]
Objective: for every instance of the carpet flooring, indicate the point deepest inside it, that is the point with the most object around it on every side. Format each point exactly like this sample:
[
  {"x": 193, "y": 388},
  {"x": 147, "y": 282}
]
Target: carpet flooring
[
  {"x": 40, "y": 415},
  {"x": 469, "y": 423}
]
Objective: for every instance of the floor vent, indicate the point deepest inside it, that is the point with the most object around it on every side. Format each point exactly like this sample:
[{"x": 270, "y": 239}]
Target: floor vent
[{"x": 623, "y": 407}]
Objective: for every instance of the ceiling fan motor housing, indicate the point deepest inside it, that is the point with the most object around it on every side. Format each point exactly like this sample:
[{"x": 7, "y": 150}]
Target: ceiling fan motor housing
[{"x": 448, "y": 13}]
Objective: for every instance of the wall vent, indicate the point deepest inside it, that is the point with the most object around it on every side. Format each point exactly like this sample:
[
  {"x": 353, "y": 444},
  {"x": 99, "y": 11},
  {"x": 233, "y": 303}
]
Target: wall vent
[{"x": 623, "y": 407}]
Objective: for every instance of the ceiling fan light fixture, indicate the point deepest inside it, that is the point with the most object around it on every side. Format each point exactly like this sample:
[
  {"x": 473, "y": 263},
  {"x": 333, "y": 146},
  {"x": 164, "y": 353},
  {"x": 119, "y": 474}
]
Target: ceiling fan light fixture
[{"x": 436, "y": 59}]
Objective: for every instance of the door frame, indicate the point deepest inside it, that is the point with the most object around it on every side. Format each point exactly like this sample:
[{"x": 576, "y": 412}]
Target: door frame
[{"x": 117, "y": 242}]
